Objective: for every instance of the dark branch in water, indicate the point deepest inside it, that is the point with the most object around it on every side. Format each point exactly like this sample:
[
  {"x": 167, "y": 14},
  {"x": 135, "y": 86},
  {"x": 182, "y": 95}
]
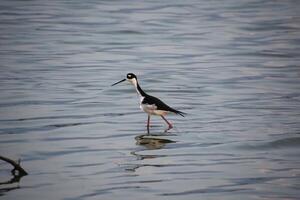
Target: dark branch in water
[{"x": 16, "y": 165}]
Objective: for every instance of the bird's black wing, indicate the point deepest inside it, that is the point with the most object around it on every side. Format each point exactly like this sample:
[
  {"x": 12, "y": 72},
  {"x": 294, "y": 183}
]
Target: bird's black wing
[{"x": 161, "y": 105}]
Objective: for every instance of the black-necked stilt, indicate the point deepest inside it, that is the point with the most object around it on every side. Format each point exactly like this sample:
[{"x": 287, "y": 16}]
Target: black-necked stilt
[{"x": 150, "y": 104}]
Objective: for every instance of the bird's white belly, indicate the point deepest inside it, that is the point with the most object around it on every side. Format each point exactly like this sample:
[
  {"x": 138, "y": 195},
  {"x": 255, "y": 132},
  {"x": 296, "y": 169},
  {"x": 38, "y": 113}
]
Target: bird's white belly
[{"x": 152, "y": 109}]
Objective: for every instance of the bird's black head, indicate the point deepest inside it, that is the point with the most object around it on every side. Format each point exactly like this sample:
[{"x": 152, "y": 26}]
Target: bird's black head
[{"x": 131, "y": 76}]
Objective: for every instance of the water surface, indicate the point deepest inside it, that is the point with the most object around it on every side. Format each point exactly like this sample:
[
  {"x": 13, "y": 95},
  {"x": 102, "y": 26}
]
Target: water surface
[{"x": 233, "y": 67}]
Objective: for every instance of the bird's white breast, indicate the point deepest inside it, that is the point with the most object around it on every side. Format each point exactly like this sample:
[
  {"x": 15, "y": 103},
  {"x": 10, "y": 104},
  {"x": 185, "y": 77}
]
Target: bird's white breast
[{"x": 151, "y": 108}]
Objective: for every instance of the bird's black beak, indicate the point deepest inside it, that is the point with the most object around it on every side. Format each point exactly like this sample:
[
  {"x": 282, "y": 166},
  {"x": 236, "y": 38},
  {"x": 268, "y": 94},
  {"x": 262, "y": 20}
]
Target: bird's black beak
[{"x": 118, "y": 82}]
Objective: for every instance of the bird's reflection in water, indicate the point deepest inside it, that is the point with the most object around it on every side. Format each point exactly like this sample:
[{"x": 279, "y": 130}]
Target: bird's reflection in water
[{"x": 151, "y": 142}]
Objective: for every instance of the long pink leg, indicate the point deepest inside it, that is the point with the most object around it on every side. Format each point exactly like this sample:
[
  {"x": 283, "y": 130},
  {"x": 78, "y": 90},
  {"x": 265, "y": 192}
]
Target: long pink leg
[
  {"x": 148, "y": 123},
  {"x": 170, "y": 125}
]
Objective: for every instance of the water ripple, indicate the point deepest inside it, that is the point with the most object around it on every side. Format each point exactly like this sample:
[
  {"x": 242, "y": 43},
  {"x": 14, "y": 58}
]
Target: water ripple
[{"x": 233, "y": 67}]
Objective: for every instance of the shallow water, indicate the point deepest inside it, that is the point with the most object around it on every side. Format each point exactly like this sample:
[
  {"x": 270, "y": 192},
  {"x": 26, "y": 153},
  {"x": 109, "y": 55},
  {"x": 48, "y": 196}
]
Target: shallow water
[{"x": 233, "y": 67}]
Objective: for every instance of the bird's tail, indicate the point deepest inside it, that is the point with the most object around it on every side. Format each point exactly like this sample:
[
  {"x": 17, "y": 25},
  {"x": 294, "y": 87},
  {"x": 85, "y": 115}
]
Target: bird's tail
[{"x": 179, "y": 113}]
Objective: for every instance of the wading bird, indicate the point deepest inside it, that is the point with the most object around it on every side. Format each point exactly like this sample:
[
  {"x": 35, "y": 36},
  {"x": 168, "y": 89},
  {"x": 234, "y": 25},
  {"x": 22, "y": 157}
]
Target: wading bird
[{"x": 150, "y": 104}]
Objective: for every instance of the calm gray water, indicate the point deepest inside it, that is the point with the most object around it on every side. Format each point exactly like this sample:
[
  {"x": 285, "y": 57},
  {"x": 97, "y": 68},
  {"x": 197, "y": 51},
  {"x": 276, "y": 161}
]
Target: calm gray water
[{"x": 233, "y": 66}]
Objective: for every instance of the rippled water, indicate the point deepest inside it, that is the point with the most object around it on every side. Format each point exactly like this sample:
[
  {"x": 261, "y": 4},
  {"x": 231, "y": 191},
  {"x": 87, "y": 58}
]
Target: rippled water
[{"x": 233, "y": 66}]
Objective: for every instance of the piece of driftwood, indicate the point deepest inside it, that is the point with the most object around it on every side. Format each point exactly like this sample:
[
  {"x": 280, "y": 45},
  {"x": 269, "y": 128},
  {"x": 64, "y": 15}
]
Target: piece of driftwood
[{"x": 16, "y": 165}]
